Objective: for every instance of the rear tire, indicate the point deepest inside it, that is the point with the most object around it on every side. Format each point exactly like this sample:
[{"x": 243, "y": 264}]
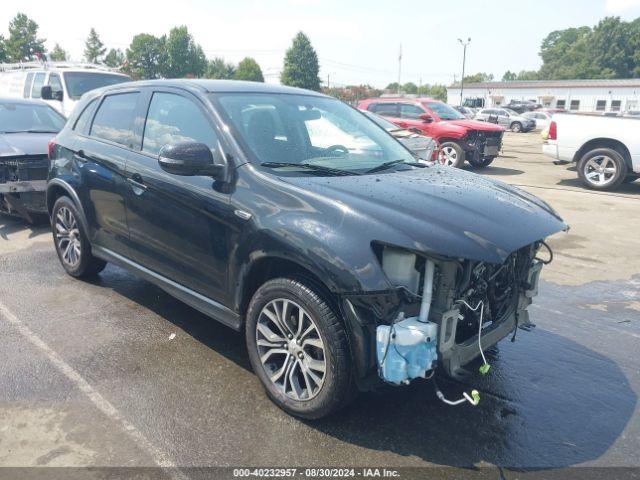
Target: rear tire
[
  {"x": 309, "y": 376},
  {"x": 451, "y": 155},
  {"x": 71, "y": 242},
  {"x": 602, "y": 169}
]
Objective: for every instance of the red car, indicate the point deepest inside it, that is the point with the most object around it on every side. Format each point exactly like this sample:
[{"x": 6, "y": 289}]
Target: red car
[{"x": 460, "y": 139}]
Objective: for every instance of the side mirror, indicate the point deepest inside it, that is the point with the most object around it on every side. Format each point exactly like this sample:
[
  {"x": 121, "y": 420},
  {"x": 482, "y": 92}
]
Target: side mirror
[
  {"x": 188, "y": 159},
  {"x": 47, "y": 93},
  {"x": 426, "y": 118}
]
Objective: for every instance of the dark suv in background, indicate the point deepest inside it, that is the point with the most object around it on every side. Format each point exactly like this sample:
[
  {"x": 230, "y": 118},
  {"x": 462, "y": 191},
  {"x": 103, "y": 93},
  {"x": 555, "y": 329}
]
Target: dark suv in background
[{"x": 294, "y": 217}]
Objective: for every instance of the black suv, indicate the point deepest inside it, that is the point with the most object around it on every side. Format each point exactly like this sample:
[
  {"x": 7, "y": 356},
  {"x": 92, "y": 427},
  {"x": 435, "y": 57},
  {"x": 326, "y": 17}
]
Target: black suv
[{"x": 292, "y": 216}]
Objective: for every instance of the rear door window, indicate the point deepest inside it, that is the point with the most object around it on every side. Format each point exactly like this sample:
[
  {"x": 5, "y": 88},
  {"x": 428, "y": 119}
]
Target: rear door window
[
  {"x": 173, "y": 118},
  {"x": 38, "y": 83},
  {"x": 114, "y": 119},
  {"x": 27, "y": 85},
  {"x": 387, "y": 109}
]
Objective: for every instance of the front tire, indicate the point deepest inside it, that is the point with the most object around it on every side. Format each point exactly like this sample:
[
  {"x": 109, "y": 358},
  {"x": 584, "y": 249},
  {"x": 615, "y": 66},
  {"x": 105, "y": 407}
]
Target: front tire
[
  {"x": 602, "y": 169},
  {"x": 451, "y": 155},
  {"x": 71, "y": 242},
  {"x": 298, "y": 348},
  {"x": 516, "y": 127}
]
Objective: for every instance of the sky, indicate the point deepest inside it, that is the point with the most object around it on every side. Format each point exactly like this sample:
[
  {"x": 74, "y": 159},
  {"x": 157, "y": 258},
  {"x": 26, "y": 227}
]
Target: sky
[{"x": 357, "y": 41}]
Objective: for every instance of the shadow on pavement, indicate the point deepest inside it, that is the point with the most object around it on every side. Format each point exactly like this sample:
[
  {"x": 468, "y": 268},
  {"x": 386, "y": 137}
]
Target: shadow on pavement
[
  {"x": 632, "y": 188},
  {"x": 10, "y": 225},
  {"x": 489, "y": 171},
  {"x": 547, "y": 402}
]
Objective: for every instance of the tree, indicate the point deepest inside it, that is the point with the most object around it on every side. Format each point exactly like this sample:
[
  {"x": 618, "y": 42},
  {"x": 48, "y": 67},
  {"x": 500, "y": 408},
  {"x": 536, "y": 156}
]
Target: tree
[
  {"x": 393, "y": 87},
  {"x": 410, "y": 88},
  {"x": 528, "y": 75},
  {"x": 478, "y": 78},
  {"x": 58, "y": 54},
  {"x": 301, "y": 66},
  {"x": 146, "y": 56},
  {"x": 218, "y": 69},
  {"x": 94, "y": 49},
  {"x": 23, "y": 42},
  {"x": 114, "y": 59},
  {"x": 438, "y": 92},
  {"x": 3, "y": 49},
  {"x": 509, "y": 76},
  {"x": 248, "y": 69},
  {"x": 185, "y": 58}
]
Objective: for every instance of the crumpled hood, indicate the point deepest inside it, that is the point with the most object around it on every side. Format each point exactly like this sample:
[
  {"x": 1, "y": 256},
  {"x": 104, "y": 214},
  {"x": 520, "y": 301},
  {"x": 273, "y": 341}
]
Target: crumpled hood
[
  {"x": 438, "y": 210},
  {"x": 23, "y": 144}
]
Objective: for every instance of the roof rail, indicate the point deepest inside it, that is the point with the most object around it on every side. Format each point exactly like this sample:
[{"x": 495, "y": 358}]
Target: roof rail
[{"x": 8, "y": 67}]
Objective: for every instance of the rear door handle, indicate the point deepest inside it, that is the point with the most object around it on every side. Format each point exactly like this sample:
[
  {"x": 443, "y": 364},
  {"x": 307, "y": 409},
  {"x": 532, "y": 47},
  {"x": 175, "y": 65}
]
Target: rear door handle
[{"x": 137, "y": 184}]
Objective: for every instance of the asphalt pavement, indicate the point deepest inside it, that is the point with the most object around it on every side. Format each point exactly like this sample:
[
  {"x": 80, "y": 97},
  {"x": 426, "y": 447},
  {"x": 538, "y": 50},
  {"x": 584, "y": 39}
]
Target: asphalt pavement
[{"x": 116, "y": 373}]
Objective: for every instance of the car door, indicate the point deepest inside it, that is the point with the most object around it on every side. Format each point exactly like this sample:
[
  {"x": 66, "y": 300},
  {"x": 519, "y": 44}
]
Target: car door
[
  {"x": 178, "y": 224},
  {"x": 410, "y": 117},
  {"x": 503, "y": 118},
  {"x": 102, "y": 145}
]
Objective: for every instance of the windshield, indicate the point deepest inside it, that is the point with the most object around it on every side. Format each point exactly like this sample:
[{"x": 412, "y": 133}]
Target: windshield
[
  {"x": 511, "y": 112},
  {"x": 386, "y": 124},
  {"x": 444, "y": 111},
  {"x": 19, "y": 117},
  {"x": 308, "y": 130},
  {"x": 79, "y": 83}
]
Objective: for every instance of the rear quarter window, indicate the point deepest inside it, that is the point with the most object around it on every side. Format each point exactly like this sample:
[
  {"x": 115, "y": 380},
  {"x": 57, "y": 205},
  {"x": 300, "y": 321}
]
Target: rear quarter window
[{"x": 84, "y": 119}]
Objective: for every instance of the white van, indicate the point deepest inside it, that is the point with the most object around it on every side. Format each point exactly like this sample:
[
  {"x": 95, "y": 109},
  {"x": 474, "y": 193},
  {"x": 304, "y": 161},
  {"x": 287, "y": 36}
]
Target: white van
[{"x": 68, "y": 82}]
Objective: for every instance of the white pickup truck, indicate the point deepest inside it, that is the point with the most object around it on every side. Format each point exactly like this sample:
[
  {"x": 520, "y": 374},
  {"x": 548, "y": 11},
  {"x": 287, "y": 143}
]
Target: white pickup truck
[{"x": 606, "y": 149}]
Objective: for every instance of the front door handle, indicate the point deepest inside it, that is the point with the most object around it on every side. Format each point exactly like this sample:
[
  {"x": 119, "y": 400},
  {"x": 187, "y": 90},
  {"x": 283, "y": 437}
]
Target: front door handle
[{"x": 137, "y": 184}]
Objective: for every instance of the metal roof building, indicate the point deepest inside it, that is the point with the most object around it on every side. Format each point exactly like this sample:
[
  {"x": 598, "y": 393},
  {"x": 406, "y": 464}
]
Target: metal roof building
[{"x": 578, "y": 95}]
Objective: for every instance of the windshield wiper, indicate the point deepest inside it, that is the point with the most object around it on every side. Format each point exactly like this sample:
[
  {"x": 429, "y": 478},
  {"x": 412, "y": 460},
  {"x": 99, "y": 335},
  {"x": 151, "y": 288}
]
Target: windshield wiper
[
  {"x": 384, "y": 166},
  {"x": 32, "y": 131},
  {"x": 309, "y": 166}
]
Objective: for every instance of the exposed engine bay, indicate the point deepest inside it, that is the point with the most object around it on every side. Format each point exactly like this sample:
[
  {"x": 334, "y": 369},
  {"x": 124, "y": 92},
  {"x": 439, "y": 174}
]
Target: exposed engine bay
[{"x": 454, "y": 310}]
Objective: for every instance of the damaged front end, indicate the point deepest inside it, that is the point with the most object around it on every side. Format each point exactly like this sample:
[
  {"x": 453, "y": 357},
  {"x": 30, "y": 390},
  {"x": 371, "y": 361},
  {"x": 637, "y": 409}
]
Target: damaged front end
[
  {"x": 444, "y": 312},
  {"x": 23, "y": 181}
]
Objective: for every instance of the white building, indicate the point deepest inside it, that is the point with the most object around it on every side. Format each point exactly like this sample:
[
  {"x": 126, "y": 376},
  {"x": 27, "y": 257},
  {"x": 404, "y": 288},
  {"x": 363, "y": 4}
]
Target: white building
[{"x": 576, "y": 95}]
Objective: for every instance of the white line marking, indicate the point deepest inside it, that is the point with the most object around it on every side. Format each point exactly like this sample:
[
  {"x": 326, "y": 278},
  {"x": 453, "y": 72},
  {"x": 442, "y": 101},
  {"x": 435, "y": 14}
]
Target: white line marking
[{"x": 98, "y": 400}]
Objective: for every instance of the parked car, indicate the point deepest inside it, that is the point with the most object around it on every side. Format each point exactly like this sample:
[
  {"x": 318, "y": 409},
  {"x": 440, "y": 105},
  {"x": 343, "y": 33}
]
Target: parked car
[
  {"x": 466, "y": 111},
  {"x": 460, "y": 138},
  {"x": 605, "y": 149},
  {"x": 506, "y": 118},
  {"x": 26, "y": 127},
  {"x": 541, "y": 119},
  {"x": 61, "y": 84},
  {"x": 521, "y": 106},
  {"x": 425, "y": 148},
  {"x": 290, "y": 216}
]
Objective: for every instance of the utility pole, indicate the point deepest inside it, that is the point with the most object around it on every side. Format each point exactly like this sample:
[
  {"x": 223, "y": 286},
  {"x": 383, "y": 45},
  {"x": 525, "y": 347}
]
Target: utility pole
[
  {"x": 399, "y": 68},
  {"x": 328, "y": 86},
  {"x": 464, "y": 59}
]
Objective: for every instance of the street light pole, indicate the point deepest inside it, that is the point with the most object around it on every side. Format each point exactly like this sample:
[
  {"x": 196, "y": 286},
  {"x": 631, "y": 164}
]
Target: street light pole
[{"x": 464, "y": 59}]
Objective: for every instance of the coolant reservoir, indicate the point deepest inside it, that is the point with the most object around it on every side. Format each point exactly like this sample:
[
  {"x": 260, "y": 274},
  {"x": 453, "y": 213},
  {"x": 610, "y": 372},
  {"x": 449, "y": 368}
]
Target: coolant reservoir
[
  {"x": 400, "y": 268},
  {"x": 406, "y": 350}
]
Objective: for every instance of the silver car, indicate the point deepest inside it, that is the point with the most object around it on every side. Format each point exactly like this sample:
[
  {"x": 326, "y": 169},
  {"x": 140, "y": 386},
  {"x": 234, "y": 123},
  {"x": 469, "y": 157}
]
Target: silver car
[{"x": 507, "y": 118}]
